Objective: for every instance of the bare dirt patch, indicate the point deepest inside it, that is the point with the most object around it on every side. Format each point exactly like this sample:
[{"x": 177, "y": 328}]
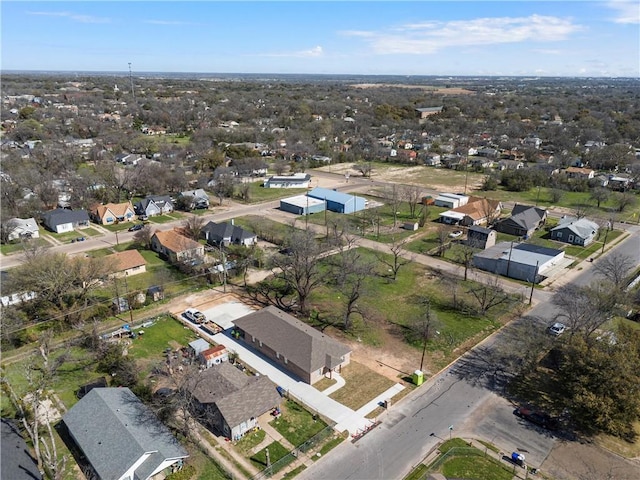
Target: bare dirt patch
[{"x": 575, "y": 460}]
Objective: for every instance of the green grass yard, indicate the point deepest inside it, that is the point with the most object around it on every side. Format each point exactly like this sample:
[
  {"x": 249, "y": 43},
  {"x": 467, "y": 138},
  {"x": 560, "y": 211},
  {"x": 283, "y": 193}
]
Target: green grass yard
[{"x": 297, "y": 424}]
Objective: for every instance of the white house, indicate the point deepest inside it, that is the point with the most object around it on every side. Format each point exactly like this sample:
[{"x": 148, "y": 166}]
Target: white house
[{"x": 23, "y": 228}]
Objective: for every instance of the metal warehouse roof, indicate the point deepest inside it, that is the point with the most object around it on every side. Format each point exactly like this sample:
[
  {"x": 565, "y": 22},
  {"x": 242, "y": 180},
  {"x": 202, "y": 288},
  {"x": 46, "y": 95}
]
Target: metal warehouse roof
[
  {"x": 523, "y": 253},
  {"x": 303, "y": 201},
  {"x": 331, "y": 195}
]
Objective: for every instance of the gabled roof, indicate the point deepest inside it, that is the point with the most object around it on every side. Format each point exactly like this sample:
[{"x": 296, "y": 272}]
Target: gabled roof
[
  {"x": 198, "y": 193},
  {"x": 118, "y": 209},
  {"x": 214, "y": 352},
  {"x": 175, "y": 242},
  {"x": 220, "y": 231},
  {"x": 159, "y": 200},
  {"x": 525, "y": 216},
  {"x": 300, "y": 343},
  {"x": 126, "y": 260},
  {"x": 16, "y": 461},
  {"x": 114, "y": 429},
  {"x": 579, "y": 226},
  {"x": 479, "y": 230},
  {"x": 60, "y": 216},
  {"x": 237, "y": 395},
  {"x": 26, "y": 224},
  {"x": 478, "y": 209}
]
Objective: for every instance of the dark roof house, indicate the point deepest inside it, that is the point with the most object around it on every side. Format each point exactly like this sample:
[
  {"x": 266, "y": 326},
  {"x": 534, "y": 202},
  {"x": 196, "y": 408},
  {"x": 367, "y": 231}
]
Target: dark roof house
[
  {"x": 120, "y": 436},
  {"x": 16, "y": 462},
  {"x": 292, "y": 344},
  {"x": 62, "y": 220},
  {"x": 231, "y": 401},
  {"x": 524, "y": 220},
  {"x": 226, "y": 233}
]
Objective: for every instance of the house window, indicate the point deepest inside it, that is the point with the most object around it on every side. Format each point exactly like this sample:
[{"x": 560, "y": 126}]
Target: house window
[
  {"x": 285, "y": 360},
  {"x": 570, "y": 238},
  {"x": 278, "y": 355},
  {"x": 260, "y": 342},
  {"x": 559, "y": 234}
]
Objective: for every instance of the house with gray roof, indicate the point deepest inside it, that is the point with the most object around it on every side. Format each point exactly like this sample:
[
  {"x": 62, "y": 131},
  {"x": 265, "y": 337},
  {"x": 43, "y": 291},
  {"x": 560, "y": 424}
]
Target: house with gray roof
[
  {"x": 524, "y": 220},
  {"x": 120, "y": 437},
  {"x": 19, "y": 228},
  {"x": 154, "y": 205},
  {"x": 576, "y": 231},
  {"x": 293, "y": 345},
  {"x": 62, "y": 220},
  {"x": 480, "y": 237},
  {"x": 16, "y": 462},
  {"x": 198, "y": 198},
  {"x": 231, "y": 401},
  {"x": 227, "y": 233}
]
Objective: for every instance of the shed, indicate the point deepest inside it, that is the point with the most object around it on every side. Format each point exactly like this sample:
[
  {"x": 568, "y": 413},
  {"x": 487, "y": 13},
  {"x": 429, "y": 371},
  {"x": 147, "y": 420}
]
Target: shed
[
  {"x": 214, "y": 356},
  {"x": 198, "y": 346}
]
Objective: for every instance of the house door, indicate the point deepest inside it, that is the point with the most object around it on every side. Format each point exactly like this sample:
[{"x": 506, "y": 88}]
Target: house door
[{"x": 570, "y": 238}]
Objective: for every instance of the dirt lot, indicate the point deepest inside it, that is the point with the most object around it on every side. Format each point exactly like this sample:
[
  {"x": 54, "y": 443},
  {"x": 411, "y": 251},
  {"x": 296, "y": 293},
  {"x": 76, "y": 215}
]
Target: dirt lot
[
  {"x": 440, "y": 90},
  {"x": 407, "y": 175}
]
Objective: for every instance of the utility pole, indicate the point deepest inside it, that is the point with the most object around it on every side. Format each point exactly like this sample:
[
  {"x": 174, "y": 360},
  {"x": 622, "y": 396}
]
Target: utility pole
[
  {"x": 133, "y": 93},
  {"x": 533, "y": 282}
]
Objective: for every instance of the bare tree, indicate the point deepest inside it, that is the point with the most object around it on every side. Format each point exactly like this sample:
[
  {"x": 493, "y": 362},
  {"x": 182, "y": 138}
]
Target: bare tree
[
  {"x": 599, "y": 195},
  {"x": 192, "y": 227},
  {"x": 424, "y": 326},
  {"x": 624, "y": 200},
  {"x": 143, "y": 236},
  {"x": 488, "y": 295},
  {"x": 412, "y": 194},
  {"x": 584, "y": 309},
  {"x": 442, "y": 237},
  {"x": 615, "y": 267},
  {"x": 396, "y": 249},
  {"x": 464, "y": 255},
  {"x": 393, "y": 197},
  {"x": 365, "y": 168},
  {"x": 300, "y": 270},
  {"x": 7, "y": 227},
  {"x": 34, "y": 415}
]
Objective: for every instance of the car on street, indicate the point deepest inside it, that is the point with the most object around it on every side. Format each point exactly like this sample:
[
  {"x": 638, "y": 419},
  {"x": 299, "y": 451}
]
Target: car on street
[
  {"x": 456, "y": 234},
  {"x": 557, "y": 329},
  {"x": 537, "y": 417},
  {"x": 194, "y": 315},
  {"x": 136, "y": 227}
]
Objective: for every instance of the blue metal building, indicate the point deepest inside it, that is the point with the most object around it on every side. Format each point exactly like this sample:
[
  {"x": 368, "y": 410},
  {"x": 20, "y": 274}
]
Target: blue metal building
[{"x": 337, "y": 201}]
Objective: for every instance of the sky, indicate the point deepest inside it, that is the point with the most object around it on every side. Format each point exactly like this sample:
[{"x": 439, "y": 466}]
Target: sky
[{"x": 421, "y": 37}]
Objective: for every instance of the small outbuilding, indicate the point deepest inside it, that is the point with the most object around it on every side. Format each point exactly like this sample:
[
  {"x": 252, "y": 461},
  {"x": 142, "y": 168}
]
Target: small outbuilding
[{"x": 451, "y": 200}]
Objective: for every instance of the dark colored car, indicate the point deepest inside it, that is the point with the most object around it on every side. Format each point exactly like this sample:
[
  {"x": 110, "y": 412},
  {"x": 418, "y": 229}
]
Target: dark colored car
[
  {"x": 137, "y": 227},
  {"x": 536, "y": 417}
]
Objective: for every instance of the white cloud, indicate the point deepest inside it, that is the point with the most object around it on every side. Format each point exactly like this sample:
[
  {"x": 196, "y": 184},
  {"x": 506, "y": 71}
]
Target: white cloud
[
  {"x": 313, "y": 52},
  {"x": 628, "y": 11},
  {"x": 73, "y": 16},
  {"x": 431, "y": 36}
]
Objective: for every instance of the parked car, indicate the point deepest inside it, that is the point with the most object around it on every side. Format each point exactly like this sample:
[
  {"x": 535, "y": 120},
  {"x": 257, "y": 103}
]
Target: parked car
[
  {"x": 194, "y": 315},
  {"x": 557, "y": 329},
  {"x": 143, "y": 218},
  {"x": 536, "y": 417},
  {"x": 136, "y": 227},
  {"x": 456, "y": 234}
]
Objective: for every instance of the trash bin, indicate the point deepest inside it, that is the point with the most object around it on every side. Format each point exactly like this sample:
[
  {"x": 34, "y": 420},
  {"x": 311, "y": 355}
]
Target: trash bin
[{"x": 418, "y": 377}]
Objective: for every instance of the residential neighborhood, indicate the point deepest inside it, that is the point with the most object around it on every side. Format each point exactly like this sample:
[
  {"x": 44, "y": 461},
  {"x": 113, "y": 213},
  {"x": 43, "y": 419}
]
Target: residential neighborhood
[{"x": 275, "y": 277}]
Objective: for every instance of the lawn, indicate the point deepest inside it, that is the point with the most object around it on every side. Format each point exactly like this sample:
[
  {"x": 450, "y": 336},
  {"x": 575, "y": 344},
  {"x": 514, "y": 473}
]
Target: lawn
[
  {"x": 162, "y": 219},
  {"x": 18, "y": 246},
  {"x": 621, "y": 446},
  {"x": 362, "y": 385},
  {"x": 166, "y": 332},
  {"x": 118, "y": 227},
  {"x": 276, "y": 452},
  {"x": 458, "y": 460},
  {"x": 294, "y": 472},
  {"x": 258, "y": 194},
  {"x": 296, "y": 424},
  {"x": 250, "y": 440}
]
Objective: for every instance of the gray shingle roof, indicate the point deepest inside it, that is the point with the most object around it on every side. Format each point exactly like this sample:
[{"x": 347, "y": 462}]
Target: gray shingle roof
[
  {"x": 526, "y": 216},
  {"x": 238, "y": 396},
  {"x": 60, "y": 216},
  {"x": 579, "y": 226},
  {"x": 114, "y": 429},
  {"x": 225, "y": 230},
  {"x": 300, "y": 343},
  {"x": 16, "y": 461}
]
